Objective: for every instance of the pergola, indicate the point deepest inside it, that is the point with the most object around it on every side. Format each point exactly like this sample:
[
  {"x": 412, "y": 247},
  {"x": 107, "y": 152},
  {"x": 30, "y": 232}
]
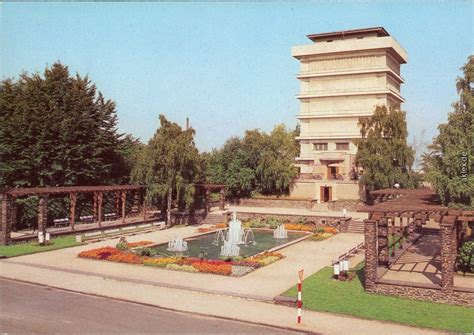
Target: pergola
[
  {"x": 412, "y": 208},
  {"x": 8, "y": 205},
  {"x": 206, "y": 189}
]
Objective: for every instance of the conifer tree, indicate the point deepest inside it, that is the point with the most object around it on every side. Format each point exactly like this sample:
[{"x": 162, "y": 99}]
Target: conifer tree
[{"x": 56, "y": 130}]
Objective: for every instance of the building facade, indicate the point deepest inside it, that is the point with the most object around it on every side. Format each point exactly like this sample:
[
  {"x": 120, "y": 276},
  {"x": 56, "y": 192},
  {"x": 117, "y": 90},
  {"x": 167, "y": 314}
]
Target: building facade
[{"x": 344, "y": 75}]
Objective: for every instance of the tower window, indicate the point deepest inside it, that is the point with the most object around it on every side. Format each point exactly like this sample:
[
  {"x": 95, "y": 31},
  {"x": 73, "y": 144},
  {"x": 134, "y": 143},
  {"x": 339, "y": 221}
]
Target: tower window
[
  {"x": 320, "y": 146},
  {"x": 342, "y": 146}
]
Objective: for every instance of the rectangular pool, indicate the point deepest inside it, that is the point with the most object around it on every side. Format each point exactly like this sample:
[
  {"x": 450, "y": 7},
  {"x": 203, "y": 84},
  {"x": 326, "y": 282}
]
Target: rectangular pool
[{"x": 206, "y": 243}]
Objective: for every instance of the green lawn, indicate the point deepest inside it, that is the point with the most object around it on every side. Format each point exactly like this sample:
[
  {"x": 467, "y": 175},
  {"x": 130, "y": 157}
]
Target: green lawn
[
  {"x": 33, "y": 247},
  {"x": 321, "y": 293}
]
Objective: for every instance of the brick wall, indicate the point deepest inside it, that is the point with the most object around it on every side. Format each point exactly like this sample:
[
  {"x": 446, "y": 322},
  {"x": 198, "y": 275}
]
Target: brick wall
[
  {"x": 433, "y": 293},
  {"x": 337, "y": 222},
  {"x": 350, "y": 205},
  {"x": 273, "y": 203}
]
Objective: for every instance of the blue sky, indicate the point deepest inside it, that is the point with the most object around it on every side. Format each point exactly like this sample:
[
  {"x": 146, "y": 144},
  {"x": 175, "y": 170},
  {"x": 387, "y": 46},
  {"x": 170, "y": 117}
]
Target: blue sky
[{"x": 228, "y": 66}]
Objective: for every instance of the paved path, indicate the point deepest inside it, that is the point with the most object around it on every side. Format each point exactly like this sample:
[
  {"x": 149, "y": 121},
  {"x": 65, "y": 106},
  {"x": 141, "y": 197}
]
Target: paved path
[
  {"x": 262, "y": 284},
  {"x": 421, "y": 263},
  {"x": 29, "y": 308},
  {"x": 294, "y": 211},
  {"x": 206, "y": 294}
]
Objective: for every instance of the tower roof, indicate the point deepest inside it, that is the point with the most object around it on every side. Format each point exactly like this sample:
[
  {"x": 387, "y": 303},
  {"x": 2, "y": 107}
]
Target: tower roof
[{"x": 380, "y": 31}]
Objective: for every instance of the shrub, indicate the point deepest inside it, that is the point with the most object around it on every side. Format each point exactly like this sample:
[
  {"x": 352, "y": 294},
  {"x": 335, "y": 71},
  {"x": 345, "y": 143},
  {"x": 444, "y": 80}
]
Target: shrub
[
  {"x": 466, "y": 257},
  {"x": 146, "y": 252},
  {"x": 122, "y": 245},
  {"x": 301, "y": 220},
  {"x": 272, "y": 223},
  {"x": 256, "y": 223}
]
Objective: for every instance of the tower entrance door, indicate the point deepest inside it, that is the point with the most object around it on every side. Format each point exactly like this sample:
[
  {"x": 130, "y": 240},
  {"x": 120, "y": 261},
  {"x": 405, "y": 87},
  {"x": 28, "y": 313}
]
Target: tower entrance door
[{"x": 325, "y": 193}]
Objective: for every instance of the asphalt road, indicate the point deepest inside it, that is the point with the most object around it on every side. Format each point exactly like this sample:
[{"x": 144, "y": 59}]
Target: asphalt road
[{"x": 26, "y": 308}]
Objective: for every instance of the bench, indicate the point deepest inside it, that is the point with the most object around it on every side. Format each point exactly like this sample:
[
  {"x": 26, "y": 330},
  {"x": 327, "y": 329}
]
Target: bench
[
  {"x": 87, "y": 218},
  {"x": 61, "y": 222},
  {"x": 110, "y": 216}
]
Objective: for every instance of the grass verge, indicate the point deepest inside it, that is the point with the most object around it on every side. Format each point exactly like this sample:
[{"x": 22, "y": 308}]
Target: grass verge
[
  {"x": 27, "y": 248},
  {"x": 321, "y": 293}
]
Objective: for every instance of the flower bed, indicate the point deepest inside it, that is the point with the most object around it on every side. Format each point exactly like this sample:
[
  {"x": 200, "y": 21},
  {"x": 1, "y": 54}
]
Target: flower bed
[
  {"x": 212, "y": 228},
  {"x": 188, "y": 264},
  {"x": 101, "y": 253},
  {"x": 299, "y": 227}
]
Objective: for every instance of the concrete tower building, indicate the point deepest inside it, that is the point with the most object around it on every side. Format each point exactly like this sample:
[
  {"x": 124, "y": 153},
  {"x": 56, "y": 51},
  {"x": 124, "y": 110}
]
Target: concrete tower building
[{"x": 344, "y": 75}]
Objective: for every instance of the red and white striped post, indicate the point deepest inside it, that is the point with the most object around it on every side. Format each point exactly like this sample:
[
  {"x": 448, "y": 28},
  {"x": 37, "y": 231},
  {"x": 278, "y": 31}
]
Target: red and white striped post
[{"x": 300, "y": 302}]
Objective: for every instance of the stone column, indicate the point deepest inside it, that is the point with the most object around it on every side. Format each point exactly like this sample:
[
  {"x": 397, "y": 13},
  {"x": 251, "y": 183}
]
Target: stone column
[
  {"x": 5, "y": 226},
  {"x": 401, "y": 227},
  {"x": 72, "y": 209},
  {"x": 411, "y": 229},
  {"x": 370, "y": 238},
  {"x": 42, "y": 213},
  {"x": 117, "y": 202},
  {"x": 95, "y": 205},
  {"x": 222, "y": 199},
  {"x": 417, "y": 224},
  {"x": 207, "y": 205},
  {"x": 13, "y": 214},
  {"x": 382, "y": 241},
  {"x": 143, "y": 192},
  {"x": 448, "y": 254},
  {"x": 394, "y": 234},
  {"x": 124, "y": 203},
  {"x": 100, "y": 198},
  {"x": 136, "y": 202}
]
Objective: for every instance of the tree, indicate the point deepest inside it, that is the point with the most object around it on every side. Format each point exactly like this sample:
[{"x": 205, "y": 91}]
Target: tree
[
  {"x": 450, "y": 160},
  {"x": 259, "y": 162},
  {"x": 383, "y": 152},
  {"x": 57, "y": 129},
  {"x": 169, "y": 165}
]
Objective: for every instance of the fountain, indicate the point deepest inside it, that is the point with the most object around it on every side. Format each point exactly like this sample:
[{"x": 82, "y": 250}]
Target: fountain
[
  {"x": 280, "y": 232},
  {"x": 177, "y": 244},
  {"x": 235, "y": 235}
]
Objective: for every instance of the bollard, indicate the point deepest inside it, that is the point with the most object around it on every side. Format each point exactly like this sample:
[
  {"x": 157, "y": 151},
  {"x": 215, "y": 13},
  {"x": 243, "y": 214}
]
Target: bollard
[{"x": 300, "y": 301}]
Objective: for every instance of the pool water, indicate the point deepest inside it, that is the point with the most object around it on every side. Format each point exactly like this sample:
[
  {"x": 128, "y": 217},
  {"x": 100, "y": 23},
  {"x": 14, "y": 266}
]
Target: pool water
[{"x": 205, "y": 243}]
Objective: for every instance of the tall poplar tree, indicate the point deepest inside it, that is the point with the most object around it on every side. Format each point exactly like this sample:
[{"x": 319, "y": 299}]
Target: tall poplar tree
[
  {"x": 449, "y": 163},
  {"x": 383, "y": 152}
]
